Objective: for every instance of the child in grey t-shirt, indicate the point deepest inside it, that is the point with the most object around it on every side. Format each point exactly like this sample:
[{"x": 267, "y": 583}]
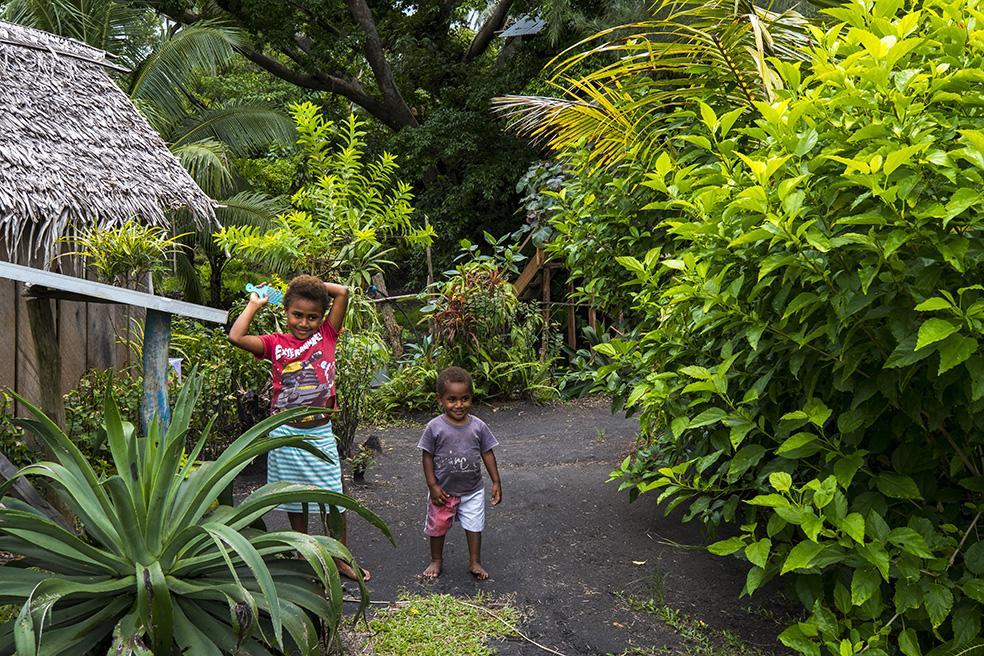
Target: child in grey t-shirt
[{"x": 454, "y": 445}]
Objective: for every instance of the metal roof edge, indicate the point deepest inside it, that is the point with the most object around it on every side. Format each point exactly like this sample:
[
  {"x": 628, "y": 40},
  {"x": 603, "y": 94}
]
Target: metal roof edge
[{"x": 103, "y": 293}]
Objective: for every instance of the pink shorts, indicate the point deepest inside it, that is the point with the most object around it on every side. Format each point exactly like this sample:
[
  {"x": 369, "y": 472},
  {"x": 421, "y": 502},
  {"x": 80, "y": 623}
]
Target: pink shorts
[{"x": 468, "y": 509}]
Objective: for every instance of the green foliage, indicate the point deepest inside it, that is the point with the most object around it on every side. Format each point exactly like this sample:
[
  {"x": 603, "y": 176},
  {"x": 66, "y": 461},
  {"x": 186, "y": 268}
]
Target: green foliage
[
  {"x": 362, "y": 460},
  {"x": 425, "y": 626},
  {"x": 359, "y": 356},
  {"x": 124, "y": 254},
  {"x": 85, "y": 406},
  {"x": 617, "y": 84},
  {"x": 234, "y": 394},
  {"x": 126, "y": 30},
  {"x": 409, "y": 388},
  {"x": 805, "y": 323},
  {"x": 236, "y": 386},
  {"x": 12, "y": 436},
  {"x": 341, "y": 218},
  {"x": 157, "y": 569},
  {"x": 480, "y": 325}
]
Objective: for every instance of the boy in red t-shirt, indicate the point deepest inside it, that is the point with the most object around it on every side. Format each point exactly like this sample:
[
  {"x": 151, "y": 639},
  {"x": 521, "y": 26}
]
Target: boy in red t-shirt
[{"x": 303, "y": 362}]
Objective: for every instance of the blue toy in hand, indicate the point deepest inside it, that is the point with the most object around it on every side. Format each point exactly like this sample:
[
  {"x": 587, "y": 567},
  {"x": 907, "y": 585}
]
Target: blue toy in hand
[{"x": 272, "y": 295}]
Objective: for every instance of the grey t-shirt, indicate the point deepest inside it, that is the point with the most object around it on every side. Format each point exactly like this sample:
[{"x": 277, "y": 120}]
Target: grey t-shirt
[{"x": 457, "y": 452}]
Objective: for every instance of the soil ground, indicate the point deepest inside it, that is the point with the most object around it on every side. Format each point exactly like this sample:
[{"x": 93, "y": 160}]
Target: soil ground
[{"x": 564, "y": 545}]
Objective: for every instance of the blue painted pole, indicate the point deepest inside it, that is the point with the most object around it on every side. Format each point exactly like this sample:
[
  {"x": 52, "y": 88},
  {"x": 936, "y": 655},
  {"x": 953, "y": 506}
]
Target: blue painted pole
[{"x": 157, "y": 337}]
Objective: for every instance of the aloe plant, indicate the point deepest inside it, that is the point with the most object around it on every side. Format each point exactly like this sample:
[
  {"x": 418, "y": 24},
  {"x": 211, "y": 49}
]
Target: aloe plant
[{"x": 158, "y": 566}]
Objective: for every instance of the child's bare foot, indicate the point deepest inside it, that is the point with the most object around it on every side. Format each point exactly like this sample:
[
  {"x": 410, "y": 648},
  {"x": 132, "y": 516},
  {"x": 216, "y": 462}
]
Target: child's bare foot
[
  {"x": 478, "y": 571},
  {"x": 346, "y": 570},
  {"x": 433, "y": 570}
]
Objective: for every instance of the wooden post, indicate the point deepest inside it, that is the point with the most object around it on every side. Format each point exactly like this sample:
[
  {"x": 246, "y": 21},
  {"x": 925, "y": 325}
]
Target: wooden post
[
  {"x": 571, "y": 318},
  {"x": 157, "y": 337},
  {"x": 42, "y": 322}
]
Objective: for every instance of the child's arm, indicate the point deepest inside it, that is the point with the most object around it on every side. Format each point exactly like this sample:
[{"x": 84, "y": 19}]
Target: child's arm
[
  {"x": 237, "y": 334},
  {"x": 489, "y": 459},
  {"x": 437, "y": 493},
  {"x": 338, "y": 307}
]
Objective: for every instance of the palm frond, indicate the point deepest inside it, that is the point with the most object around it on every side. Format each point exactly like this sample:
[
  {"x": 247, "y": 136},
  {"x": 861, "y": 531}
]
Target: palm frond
[
  {"x": 187, "y": 276},
  {"x": 203, "y": 46},
  {"x": 249, "y": 208},
  {"x": 208, "y": 162},
  {"x": 125, "y": 30},
  {"x": 640, "y": 71},
  {"x": 243, "y": 128}
]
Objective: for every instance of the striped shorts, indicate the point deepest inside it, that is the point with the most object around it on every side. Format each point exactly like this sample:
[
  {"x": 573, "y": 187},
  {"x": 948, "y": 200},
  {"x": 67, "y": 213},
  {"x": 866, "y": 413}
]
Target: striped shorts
[{"x": 294, "y": 465}]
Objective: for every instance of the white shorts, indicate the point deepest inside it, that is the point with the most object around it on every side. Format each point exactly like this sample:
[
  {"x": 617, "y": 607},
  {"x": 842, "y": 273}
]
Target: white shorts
[{"x": 469, "y": 510}]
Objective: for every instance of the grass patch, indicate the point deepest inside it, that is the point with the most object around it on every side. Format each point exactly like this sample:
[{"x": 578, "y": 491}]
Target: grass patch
[
  {"x": 699, "y": 638},
  {"x": 439, "y": 625}
]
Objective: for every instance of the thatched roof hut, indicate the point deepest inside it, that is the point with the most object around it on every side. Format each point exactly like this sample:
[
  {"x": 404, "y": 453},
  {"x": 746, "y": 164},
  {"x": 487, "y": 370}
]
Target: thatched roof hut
[{"x": 74, "y": 150}]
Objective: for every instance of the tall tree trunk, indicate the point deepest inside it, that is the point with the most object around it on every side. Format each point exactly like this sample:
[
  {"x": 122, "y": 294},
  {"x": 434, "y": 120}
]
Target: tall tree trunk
[
  {"x": 394, "y": 334},
  {"x": 215, "y": 279}
]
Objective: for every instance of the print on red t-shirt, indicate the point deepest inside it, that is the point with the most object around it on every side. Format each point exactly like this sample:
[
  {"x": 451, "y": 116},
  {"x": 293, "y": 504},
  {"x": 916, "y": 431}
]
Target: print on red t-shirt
[{"x": 303, "y": 371}]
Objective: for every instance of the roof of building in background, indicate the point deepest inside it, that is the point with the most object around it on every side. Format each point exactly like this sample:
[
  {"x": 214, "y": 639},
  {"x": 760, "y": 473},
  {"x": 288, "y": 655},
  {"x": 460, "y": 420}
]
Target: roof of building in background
[
  {"x": 524, "y": 26},
  {"x": 74, "y": 151}
]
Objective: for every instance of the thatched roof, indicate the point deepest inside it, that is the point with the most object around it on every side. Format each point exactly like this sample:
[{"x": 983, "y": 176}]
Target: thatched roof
[{"x": 74, "y": 151}]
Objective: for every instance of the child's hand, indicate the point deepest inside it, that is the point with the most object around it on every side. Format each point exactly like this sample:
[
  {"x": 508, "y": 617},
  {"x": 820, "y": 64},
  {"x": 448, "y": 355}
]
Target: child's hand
[
  {"x": 438, "y": 496},
  {"x": 256, "y": 299},
  {"x": 496, "y": 494}
]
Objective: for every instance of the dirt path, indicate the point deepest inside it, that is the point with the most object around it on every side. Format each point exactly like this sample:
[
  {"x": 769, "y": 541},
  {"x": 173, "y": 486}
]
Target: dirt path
[{"x": 564, "y": 544}]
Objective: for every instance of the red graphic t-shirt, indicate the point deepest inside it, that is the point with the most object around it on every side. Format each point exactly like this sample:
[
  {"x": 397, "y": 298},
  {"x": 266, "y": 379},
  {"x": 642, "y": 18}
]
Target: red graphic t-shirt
[{"x": 303, "y": 371}]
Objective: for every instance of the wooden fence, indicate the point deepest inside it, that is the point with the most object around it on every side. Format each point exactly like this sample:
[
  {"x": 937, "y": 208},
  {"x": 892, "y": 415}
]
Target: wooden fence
[{"x": 89, "y": 337}]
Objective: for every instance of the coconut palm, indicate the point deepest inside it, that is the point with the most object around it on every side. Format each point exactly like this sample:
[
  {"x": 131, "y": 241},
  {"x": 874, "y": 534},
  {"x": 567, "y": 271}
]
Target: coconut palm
[{"x": 616, "y": 87}]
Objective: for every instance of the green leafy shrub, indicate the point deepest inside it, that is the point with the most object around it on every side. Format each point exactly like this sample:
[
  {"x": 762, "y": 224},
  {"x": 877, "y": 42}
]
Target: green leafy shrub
[
  {"x": 360, "y": 355},
  {"x": 236, "y": 386},
  {"x": 123, "y": 254},
  {"x": 157, "y": 568},
  {"x": 85, "y": 411},
  {"x": 480, "y": 325},
  {"x": 409, "y": 388},
  {"x": 807, "y": 313},
  {"x": 11, "y": 435},
  {"x": 235, "y": 392},
  {"x": 346, "y": 215}
]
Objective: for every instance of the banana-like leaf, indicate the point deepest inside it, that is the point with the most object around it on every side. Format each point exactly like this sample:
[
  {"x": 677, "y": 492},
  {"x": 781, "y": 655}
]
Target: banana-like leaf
[
  {"x": 29, "y": 625},
  {"x": 208, "y": 618},
  {"x": 78, "y": 494},
  {"x": 271, "y": 495},
  {"x": 243, "y": 611},
  {"x": 191, "y": 639}
]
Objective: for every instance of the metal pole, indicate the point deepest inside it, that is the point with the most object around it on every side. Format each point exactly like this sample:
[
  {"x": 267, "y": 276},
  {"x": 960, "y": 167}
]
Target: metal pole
[{"x": 157, "y": 337}]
